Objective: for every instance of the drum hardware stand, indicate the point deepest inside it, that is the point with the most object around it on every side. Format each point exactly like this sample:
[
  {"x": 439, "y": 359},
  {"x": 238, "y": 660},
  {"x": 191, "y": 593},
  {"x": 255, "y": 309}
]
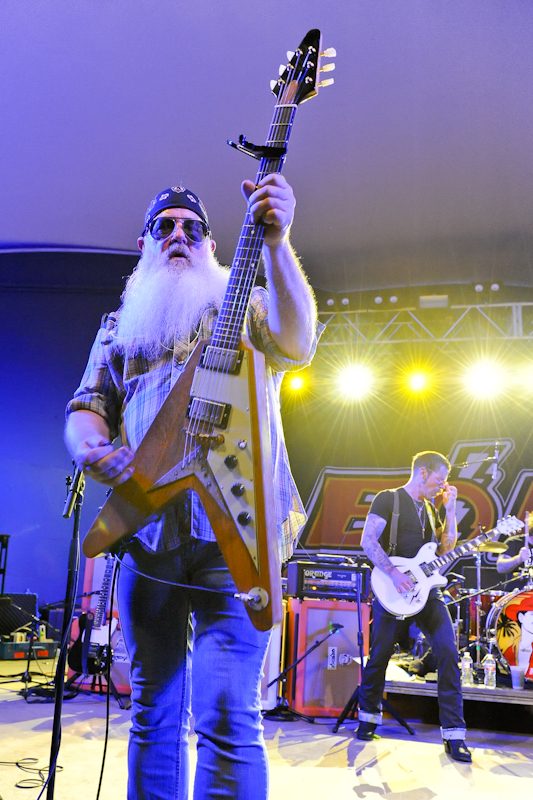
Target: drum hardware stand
[
  {"x": 477, "y": 641},
  {"x": 351, "y": 706}
]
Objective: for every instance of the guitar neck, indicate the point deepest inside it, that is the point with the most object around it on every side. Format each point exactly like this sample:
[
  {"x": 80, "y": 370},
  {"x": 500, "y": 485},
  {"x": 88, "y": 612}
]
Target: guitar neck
[
  {"x": 462, "y": 550},
  {"x": 103, "y": 597},
  {"x": 231, "y": 318}
]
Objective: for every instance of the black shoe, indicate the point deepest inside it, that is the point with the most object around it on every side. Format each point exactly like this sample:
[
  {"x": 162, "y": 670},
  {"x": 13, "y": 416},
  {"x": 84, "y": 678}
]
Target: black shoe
[
  {"x": 457, "y": 749},
  {"x": 366, "y": 730}
]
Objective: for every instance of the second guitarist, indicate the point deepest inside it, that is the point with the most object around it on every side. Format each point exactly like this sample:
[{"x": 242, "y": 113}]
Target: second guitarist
[{"x": 418, "y": 522}]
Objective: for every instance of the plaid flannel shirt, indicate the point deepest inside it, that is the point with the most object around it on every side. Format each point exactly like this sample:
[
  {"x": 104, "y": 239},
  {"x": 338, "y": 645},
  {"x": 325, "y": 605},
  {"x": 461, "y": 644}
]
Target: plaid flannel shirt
[{"x": 128, "y": 393}]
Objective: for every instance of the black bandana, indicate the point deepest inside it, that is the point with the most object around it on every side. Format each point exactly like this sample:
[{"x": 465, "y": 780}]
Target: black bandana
[{"x": 175, "y": 197}]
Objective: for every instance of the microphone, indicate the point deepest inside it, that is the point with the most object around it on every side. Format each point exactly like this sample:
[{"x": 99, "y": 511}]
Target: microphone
[
  {"x": 495, "y": 460},
  {"x": 335, "y": 626}
]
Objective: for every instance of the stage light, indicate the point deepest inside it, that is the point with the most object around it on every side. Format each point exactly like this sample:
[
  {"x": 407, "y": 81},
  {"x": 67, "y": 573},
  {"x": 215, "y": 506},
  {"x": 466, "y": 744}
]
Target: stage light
[
  {"x": 485, "y": 379},
  {"x": 393, "y": 299},
  {"x": 345, "y": 301},
  {"x": 330, "y": 301},
  {"x": 296, "y": 383},
  {"x": 355, "y": 382},
  {"x": 418, "y": 381},
  {"x": 478, "y": 287},
  {"x": 495, "y": 287},
  {"x": 378, "y": 300}
]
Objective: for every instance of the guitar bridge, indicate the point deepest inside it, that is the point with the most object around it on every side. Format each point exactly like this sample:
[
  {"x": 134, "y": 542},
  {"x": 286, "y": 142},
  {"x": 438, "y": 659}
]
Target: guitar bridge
[
  {"x": 221, "y": 359},
  {"x": 201, "y": 410}
]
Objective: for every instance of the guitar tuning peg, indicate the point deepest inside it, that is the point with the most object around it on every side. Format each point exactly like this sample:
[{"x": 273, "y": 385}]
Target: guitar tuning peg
[
  {"x": 282, "y": 68},
  {"x": 327, "y": 82},
  {"x": 290, "y": 54},
  {"x": 329, "y": 53},
  {"x": 327, "y": 68},
  {"x": 273, "y": 85}
]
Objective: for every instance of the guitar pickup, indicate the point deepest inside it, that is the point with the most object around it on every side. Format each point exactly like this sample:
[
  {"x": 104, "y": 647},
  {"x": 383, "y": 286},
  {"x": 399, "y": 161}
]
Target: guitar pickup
[
  {"x": 201, "y": 410},
  {"x": 410, "y": 575},
  {"x": 221, "y": 359}
]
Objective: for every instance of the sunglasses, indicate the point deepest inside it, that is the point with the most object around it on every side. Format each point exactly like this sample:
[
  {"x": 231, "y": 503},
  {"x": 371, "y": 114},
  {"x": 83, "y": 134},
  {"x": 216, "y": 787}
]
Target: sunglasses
[{"x": 163, "y": 227}]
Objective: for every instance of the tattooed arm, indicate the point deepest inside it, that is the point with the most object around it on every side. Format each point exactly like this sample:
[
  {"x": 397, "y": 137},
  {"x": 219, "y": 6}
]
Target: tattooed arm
[
  {"x": 447, "y": 535},
  {"x": 374, "y": 527}
]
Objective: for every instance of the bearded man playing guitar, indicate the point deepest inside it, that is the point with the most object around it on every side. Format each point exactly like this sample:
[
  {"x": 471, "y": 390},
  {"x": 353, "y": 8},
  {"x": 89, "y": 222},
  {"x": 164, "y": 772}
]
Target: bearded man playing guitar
[
  {"x": 418, "y": 523},
  {"x": 172, "y": 298}
]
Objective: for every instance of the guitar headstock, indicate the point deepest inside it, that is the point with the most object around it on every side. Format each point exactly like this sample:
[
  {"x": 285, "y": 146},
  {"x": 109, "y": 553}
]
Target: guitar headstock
[
  {"x": 509, "y": 525},
  {"x": 298, "y": 79}
]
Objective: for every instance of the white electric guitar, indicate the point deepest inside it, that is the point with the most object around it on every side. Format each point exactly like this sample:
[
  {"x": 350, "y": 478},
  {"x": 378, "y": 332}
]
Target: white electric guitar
[{"x": 424, "y": 571}]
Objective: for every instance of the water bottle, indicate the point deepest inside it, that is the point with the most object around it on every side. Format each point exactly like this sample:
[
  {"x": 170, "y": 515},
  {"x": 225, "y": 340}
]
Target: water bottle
[
  {"x": 489, "y": 670},
  {"x": 467, "y": 670}
]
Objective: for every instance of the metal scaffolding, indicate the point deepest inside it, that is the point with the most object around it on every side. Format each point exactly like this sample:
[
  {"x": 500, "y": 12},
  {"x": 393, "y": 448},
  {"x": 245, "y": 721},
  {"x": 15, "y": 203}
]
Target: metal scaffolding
[{"x": 460, "y": 323}]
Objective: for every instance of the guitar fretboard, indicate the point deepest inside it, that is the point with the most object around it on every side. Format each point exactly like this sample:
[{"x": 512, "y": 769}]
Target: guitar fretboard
[
  {"x": 232, "y": 314},
  {"x": 100, "y": 613}
]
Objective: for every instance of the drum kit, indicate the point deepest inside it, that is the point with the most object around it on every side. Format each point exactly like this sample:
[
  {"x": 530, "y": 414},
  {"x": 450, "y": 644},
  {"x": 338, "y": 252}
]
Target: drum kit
[{"x": 494, "y": 619}]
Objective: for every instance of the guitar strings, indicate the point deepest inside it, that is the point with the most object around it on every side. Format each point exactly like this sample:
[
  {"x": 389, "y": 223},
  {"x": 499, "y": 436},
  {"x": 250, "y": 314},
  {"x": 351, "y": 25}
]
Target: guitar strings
[{"x": 228, "y": 330}]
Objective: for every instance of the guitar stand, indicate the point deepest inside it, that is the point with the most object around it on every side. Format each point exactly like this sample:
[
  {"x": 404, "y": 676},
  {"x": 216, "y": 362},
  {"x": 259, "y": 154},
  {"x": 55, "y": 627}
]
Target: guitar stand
[
  {"x": 351, "y": 706},
  {"x": 123, "y": 700}
]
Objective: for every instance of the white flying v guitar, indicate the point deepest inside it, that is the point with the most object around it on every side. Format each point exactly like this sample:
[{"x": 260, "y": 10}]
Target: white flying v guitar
[{"x": 424, "y": 571}]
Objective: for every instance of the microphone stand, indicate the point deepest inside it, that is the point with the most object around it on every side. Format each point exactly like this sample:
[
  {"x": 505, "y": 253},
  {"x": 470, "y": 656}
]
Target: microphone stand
[
  {"x": 282, "y": 710},
  {"x": 351, "y": 706},
  {"x": 75, "y": 487}
]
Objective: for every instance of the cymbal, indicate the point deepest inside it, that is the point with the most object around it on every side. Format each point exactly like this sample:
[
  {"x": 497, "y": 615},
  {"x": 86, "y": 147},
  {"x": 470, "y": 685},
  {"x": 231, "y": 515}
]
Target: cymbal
[{"x": 492, "y": 547}]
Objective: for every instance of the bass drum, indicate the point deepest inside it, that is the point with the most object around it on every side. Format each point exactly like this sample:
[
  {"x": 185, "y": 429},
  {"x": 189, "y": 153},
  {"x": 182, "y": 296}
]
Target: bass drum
[{"x": 510, "y": 623}]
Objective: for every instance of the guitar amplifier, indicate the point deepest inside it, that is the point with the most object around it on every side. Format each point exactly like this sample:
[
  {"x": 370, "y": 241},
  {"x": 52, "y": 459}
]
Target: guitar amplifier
[
  {"x": 328, "y": 579},
  {"x": 325, "y": 679}
]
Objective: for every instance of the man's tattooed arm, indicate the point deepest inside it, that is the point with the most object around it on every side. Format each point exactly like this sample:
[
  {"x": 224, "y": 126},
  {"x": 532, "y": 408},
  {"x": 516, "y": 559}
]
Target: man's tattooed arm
[{"x": 374, "y": 527}]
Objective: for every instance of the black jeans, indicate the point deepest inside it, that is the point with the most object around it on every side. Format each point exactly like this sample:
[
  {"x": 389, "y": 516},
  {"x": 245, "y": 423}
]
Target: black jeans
[{"x": 435, "y": 622}]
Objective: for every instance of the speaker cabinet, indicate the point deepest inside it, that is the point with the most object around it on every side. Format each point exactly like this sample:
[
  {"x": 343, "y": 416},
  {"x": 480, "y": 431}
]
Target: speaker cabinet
[{"x": 323, "y": 682}]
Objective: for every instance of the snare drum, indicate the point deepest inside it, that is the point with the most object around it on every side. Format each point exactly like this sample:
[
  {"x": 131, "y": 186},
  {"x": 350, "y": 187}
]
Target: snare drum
[{"x": 510, "y": 622}]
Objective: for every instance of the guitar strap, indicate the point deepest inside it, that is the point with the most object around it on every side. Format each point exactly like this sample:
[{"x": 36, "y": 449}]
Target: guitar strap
[
  {"x": 431, "y": 517},
  {"x": 393, "y": 536}
]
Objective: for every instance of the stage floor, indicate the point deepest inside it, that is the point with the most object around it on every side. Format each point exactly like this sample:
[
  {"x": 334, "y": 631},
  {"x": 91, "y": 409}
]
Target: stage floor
[{"x": 306, "y": 760}]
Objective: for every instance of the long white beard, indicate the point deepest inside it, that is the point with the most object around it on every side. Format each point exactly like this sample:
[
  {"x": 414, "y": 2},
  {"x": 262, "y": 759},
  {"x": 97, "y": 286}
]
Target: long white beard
[{"x": 160, "y": 303}]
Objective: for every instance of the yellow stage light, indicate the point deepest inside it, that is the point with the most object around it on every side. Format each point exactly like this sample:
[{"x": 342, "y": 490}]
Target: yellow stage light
[
  {"x": 418, "y": 381},
  {"x": 485, "y": 379},
  {"x": 355, "y": 382},
  {"x": 296, "y": 383}
]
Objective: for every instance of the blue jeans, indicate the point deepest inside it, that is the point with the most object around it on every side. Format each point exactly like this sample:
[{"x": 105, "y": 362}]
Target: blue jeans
[
  {"x": 183, "y": 641},
  {"x": 435, "y": 622}
]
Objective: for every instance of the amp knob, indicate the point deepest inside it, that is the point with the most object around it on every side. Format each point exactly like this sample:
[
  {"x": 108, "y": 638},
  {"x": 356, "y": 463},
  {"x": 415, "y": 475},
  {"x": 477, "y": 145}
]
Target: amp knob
[
  {"x": 231, "y": 461},
  {"x": 237, "y": 489},
  {"x": 244, "y": 518}
]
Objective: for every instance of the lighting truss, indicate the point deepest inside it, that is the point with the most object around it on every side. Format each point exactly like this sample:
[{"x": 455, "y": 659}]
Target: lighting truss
[{"x": 461, "y": 323}]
